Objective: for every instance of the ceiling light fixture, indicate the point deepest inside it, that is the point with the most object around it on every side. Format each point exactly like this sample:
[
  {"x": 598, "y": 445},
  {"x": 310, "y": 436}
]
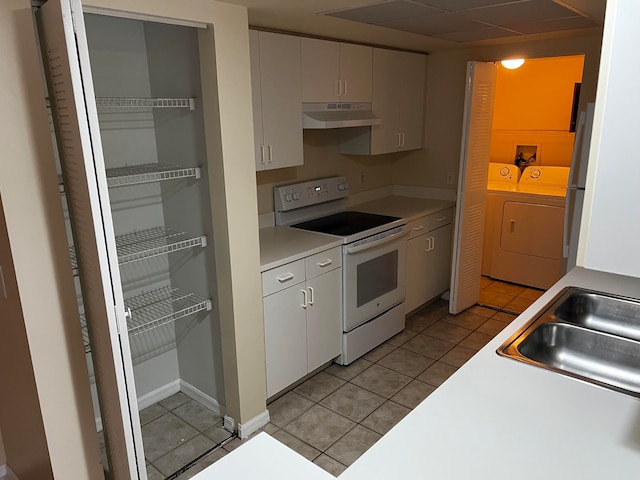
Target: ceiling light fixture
[{"x": 512, "y": 63}]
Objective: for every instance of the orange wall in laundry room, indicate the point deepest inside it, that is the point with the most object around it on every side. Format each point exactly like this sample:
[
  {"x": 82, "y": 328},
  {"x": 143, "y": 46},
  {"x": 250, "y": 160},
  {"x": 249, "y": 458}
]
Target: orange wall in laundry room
[{"x": 538, "y": 95}]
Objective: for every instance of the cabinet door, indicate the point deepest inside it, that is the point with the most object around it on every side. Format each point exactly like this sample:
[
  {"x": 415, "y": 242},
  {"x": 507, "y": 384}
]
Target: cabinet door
[
  {"x": 256, "y": 98},
  {"x": 285, "y": 336},
  {"x": 417, "y": 272},
  {"x": 356, "y": 71},
  {"x": 411, "y": 100},
  {"x": 280, "y": 82},
  {"x": 386, "y": 67},
  {"x": 438, "y": 261},
  {"x": 320, "y": 61},
  {"x": 324, "y": 318},
  {"x": 66, "y": 57}
]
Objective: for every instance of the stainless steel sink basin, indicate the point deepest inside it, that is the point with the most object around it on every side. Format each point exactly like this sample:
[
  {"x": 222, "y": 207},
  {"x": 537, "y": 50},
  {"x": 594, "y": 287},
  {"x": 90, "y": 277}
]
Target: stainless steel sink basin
[{"x": 587, "y": 335}]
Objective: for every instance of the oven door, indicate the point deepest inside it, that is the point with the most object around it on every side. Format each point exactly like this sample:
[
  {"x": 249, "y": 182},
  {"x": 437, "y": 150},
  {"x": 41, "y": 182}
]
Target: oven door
[{"x": 374, "y": 272}]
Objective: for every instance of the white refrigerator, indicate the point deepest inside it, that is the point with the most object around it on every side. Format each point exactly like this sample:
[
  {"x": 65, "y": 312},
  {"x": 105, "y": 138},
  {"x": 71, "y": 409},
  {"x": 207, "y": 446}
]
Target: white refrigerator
[{"x": 576, "y": 185}]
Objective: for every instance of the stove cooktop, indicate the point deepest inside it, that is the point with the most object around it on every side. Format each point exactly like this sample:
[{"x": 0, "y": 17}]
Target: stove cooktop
[{"x": 346, "y": 223}]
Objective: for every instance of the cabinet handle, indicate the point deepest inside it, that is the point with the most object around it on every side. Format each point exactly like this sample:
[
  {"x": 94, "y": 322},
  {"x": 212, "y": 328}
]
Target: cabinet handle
[
  {"x": 398, "y": 142},
  {"x": 311, "y": 296},
  {"x": 430, "y": 243},
  {"x": 338, "y": 88},
  {"x": 270, "y": 153},
  {"x": 262, "y": 154},
  {"x": 344, "y": 91},
  {"x": 326, "y": 263},
  {"x": 512, "y": 226},
  {"x": 417, "y": 229},
  {"x": 286, "y": 278},
  {"x": 402, "y": 139},
  {"x": 442, "y": 219},
  {"x": 304, "y": 299},
  {"x": 433, "y": 243}
]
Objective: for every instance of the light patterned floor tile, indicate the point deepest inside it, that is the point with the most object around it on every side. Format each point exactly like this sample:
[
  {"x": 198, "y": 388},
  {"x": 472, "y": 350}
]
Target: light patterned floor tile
[
  {"x": 437, "y": 373},
  {"x": 185, "y": 453},
  {"x": 506, "y": 288},
  {"x": 379, "y": 352},
  {"x": 504, "y": 317},
  {"x": 353, "y": 402},
  {"x": 494, "y": 299},
  {"x": 447, "y": 332},
  {"x": 297, "y": 445},
  {"x": 381, "y": 380},
  {"x": 457, "y": 356},
  {"x": 428, "y": 346},
  {"x": 401, "y": 338},
  {"x": 319, "y": 427},
  {"x": 418, "y": 322},
  {"x": 288, "y": 407},
  {"x": 319, "y": 386},
  {"x": 491, "y": 327},
  {"x": 385, "y": 417},
  {"x": 476, "y": 340},
  {"x": 174, "y": 401},
  {"x": 518, "y": 304},
  {"x": 164, "y": 434},
  {"x": 353, "y": 444},
  {"x": 203, "y": 463},
  {"x": 531, "y": 293},
  {"x": 330, "y": 465},
  {"x": 414, "y": 393},
  {"x": 406, "y": 362},
  {"x": 197, "y": 415},
  {"x": 466, "y": 319},
  {"x": 151, "y": 413},
  {"x": 481, "y": 311},
  {"x": 347, "y": 372}
]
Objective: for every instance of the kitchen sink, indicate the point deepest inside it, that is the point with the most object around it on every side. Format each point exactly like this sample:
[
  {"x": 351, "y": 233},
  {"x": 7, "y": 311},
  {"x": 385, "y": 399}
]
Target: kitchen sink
[{"x": 584, "y": 334}]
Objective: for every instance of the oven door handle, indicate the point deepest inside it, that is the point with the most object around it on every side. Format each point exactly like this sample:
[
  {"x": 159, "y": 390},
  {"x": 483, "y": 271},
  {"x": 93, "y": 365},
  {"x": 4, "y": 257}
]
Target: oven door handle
[{"x": 377, "y": 243}]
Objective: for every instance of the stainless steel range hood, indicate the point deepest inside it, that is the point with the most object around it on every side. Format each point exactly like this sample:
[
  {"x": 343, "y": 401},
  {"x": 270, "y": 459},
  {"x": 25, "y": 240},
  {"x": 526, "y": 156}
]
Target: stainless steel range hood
[{"x": 337, "y": 115}]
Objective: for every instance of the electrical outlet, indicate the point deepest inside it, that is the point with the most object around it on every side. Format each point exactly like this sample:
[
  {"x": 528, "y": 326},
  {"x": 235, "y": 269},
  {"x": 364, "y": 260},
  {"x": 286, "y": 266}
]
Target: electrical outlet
[{"x": 450, "y": 178}]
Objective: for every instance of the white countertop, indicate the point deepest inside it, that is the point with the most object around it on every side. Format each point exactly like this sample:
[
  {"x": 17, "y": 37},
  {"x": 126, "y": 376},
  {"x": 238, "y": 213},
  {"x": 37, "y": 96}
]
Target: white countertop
[
  {"x": 494, "y": 418},
  {"x": 280, "y": 245},
  {"x": 498, "y": 418},
  {"x": 408, "y": 208}
]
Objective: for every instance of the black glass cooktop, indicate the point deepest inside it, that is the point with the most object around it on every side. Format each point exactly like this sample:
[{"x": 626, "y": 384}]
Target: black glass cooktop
[{"x": 346, "y": 223}]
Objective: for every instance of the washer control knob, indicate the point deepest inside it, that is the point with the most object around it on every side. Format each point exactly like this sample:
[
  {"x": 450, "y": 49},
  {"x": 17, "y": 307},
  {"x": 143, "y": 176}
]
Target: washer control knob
[
  {"x": 296, "y": 196},
  {"x": 287, "y": 197},
  {"x": 341, "y": 187}
]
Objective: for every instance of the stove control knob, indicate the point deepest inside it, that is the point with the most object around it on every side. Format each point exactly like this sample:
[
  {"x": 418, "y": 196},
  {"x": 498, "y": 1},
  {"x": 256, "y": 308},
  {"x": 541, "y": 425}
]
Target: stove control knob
[
  {"x": 287, "y": 197},
  {"x": 296, "y": 196}
]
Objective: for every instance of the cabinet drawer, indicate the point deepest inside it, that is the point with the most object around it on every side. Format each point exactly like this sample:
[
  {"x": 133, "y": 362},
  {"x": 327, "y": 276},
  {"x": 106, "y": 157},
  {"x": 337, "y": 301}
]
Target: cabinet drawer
[
  {"x": 418, "y": 227},
  {"x": 323, "y": 262},
  {"x": 282, "y": 277},
  {"x": 439, "y": 219}
]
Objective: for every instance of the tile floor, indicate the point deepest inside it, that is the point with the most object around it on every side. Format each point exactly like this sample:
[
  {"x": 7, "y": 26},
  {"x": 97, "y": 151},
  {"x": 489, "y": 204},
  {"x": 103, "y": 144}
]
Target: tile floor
[
  {"x": 177, "y": 430},
  {"x": 336, "y": 415}
]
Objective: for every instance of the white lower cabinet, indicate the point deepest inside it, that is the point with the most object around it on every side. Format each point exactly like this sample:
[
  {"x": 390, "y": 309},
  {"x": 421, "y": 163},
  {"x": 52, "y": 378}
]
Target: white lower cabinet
[
  {"x": 302, "y": 317},
  {"x": 428, "y": 258}
]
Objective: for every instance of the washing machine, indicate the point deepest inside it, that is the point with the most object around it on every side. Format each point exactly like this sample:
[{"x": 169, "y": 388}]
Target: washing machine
[{"x": 524, "y": 228}]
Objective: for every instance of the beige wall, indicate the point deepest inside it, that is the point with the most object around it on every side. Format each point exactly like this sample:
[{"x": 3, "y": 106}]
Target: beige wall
[
  {"x": 445, "y": 102},
  {"x": 44, "y": 292},
  {"x": 322, "y": 159}
]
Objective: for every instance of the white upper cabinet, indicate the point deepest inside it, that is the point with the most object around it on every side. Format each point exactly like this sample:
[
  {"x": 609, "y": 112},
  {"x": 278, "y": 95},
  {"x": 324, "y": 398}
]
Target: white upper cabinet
[
  {"x": 335, "y": 72},
  {"x": 277, "y": 98},
  {"x": 610, "y": 229},
  {"x": 399, "y": 80}
]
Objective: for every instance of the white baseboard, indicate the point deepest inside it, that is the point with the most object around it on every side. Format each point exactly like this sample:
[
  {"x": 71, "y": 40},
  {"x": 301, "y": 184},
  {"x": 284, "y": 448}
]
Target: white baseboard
[
  {"x": 201, "y": 397},
  {"x": 229, "y": 423},
  {"x": 6, "y": 473},
  {"x": 257, "y": 422},
  {"x": 158, "y": 394},
  {"x": 172, "y": 388}
]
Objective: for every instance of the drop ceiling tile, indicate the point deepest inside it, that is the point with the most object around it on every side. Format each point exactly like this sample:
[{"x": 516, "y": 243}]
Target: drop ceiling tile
[
  {"x": 556, "y": 25},
  {"x": 517, "y": 13},
  {"x": 434, "y": 24},
  {"x": 455, "y": 5},
  {"x": 476, "y": 35},
  {"x": 384, "y": 12}
]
